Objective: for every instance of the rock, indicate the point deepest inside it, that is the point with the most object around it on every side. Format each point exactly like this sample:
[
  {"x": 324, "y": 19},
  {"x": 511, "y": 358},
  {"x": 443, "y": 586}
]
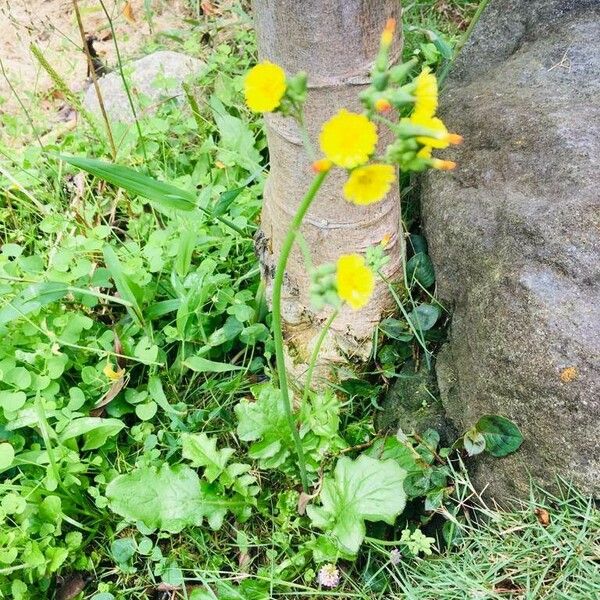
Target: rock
[
  {"x": 412, "y": 405},
  {"x": 514, "y": 234},
  {"x": 152, "y": 79}
]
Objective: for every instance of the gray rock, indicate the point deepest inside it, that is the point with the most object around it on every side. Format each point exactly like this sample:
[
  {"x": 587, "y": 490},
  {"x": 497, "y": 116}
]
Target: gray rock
[
  {"x": 152, "y": 79},
  {"x": 514, "y": 234}
]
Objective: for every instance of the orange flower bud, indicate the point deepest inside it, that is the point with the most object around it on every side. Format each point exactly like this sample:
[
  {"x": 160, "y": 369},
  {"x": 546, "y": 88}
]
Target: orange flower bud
[
  {"x": 387, "y": 35},
  {"x": 322, "y": 165},
  {"x": 382, "y": 105},
  {"x": 385, "y": 240},
  {"x": 443, "y": 165},
  {"x": 454, "y": 138}
]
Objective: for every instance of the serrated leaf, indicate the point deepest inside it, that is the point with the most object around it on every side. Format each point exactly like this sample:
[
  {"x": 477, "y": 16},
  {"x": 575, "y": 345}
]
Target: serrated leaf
[
  {"x": 168, "y": 498},
  {"x": 264, "y": 422},
  {"x": 502, "y": 436},
  {"x": 365, "y": 489},
  {"x": 202, "y": 451}
]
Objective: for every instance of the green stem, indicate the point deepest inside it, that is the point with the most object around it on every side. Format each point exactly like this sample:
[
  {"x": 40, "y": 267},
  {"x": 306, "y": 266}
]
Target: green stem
[
  {"x": 315, "y": 354},
  {"x": 462, "y": 41},
  {"x": 288, "y": 243}
]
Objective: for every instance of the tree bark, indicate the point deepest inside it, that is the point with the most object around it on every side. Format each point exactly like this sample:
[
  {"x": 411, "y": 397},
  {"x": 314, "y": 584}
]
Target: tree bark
[{"x": 335, "y": 42}]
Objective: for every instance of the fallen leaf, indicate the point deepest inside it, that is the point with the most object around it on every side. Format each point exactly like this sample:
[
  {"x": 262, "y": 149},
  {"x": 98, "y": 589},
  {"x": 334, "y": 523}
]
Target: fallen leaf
[
  {"x": 208, "y": 8},
  {"x": 112, "y": 393},
  {"x": 128, "y": 13},
  {"x": 543, "y": 516}
]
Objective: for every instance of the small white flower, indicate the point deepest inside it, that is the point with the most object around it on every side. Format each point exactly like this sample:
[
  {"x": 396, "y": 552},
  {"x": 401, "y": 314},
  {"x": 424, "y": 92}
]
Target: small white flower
[
  {"x": 395, "y": 556},
  {"x": 329, "y": 576}
]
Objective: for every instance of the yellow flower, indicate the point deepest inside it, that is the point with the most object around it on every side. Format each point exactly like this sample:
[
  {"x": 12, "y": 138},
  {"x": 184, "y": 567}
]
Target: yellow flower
[
  {"x": 264, "y": 87},
  {"x": 369, "y": 184},
  {"x": 442, "y": 138},
  {"x": 355, "y": 281},
  {"x": 426, "y": 94},
  {"x": 348, "y": 139},
  {"x": 111, "y": 374}
]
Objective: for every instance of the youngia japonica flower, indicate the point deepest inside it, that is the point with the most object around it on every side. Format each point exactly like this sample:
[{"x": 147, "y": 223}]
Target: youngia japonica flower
[
  {"x": 348, "y": 139},
  {"x": 351, "y": 141},
  {"x": 264, "y": 87}
]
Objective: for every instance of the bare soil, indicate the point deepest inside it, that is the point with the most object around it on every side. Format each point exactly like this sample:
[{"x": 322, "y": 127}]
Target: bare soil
[{"x": 52, "y": 26}]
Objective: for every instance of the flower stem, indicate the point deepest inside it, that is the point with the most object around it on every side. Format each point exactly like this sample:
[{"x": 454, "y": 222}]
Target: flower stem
[
  {"x": 315, "y": 354},
  {"x": 286, "y": 248}
]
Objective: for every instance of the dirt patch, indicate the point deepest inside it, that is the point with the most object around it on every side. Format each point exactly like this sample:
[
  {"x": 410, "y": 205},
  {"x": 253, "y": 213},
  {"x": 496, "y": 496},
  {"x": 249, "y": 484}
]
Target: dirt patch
[{"x": 52, "y": 26}]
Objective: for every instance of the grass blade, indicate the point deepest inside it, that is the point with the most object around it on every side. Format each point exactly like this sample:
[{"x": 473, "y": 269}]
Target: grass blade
[
  {"x": 127, "y": 289},
  {"x": 163, "y": 194},
  {"x": 33, "y": 297}
]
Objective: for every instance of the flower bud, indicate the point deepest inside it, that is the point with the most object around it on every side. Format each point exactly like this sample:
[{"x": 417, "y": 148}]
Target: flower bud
[
  {"x": 443, "y": 165},
  {"x": 382, "y": 105},
  {"x": 454, "y": 138},
  {"x": 387, "y": 36},
  {"x": 322, "y": 165}
]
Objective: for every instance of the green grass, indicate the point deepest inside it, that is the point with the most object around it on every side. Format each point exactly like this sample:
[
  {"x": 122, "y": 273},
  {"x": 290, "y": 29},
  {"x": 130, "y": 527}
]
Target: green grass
[{"x": 92, "y": 276}]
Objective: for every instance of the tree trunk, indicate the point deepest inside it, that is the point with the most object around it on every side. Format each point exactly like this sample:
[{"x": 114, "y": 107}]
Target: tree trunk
[{"x": 335, "y": 42}]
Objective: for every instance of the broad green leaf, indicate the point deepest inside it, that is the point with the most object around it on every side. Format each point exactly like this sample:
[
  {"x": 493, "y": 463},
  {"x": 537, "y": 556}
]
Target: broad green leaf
[
  {"x": 264, "y": 422},
  {"x": 95, "y": 431},
  {"x": 167, "y": 498},
  {"x": 365, "y": 489},
  {"x": 403, "y": 453},
  {"x": 202, "y": 451},
  {"x": 501, "y": 435},
  {"x": 203, "y": 365},
  {"x": 7, "y": 455},
  {"x": 126, "y": 287},
  {"x": 396, "y": 330},
  {"x": 163, "y": 194},
  {"x": 420, "y": 267},
  {"x": 424, "y": 316},
  {"x": 32, "y": 298}
]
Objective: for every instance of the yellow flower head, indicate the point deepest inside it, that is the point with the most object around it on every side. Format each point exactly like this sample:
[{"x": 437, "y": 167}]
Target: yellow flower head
[
  {"x": 355, "y": 281},
  {"x": 426, "y": 94},
  {"x": 264, "y": 87},
  {"x": 369, "y": 183},
  {"x": 348, "y": 139},
  {"x": 442, "y": 138}
]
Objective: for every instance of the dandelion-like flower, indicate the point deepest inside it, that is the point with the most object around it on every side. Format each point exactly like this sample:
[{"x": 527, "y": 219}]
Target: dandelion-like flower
[
  {"x": 426, "y": 94},
  {"x": 440, "y": 137},
  {"x": 348, "y": 139},
  {"x": 395, "y": 556},
  {"x": 355, "y": 281},
  {"x": 328, "y": 576},
  {"x": 369, "y": 183},
  {"x": 264, "y": 87}
]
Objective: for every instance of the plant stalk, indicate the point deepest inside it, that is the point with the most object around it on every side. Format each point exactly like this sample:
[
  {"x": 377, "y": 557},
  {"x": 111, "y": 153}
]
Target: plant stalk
[{"x": 286, "y": 249}]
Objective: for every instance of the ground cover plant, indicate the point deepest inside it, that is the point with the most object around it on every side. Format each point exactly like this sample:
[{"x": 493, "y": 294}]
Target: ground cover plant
[{"x": 145, "y": 451}]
